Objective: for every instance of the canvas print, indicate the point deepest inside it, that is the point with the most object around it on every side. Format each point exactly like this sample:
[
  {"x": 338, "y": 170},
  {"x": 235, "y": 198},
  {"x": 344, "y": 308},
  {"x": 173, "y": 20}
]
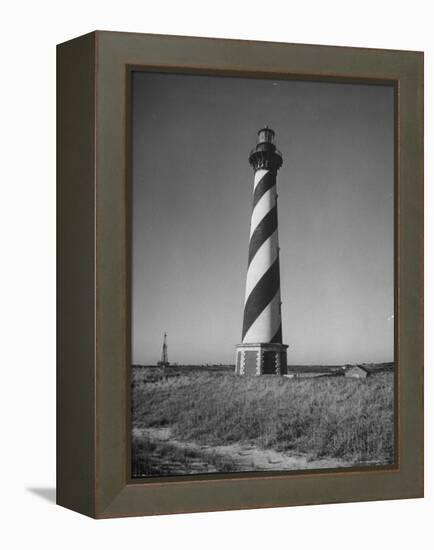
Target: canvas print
[{"x": 262, "y": 275}]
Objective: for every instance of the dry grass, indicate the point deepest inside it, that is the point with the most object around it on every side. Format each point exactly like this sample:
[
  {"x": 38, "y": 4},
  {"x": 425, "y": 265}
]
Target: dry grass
[
  {"x": 156, "y": 458},
  {"x": 324, "y": 417}
]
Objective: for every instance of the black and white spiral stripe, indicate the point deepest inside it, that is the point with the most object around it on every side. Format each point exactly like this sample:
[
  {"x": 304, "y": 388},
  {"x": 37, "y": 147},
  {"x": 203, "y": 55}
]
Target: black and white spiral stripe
[{"x": 262, "y": 317}]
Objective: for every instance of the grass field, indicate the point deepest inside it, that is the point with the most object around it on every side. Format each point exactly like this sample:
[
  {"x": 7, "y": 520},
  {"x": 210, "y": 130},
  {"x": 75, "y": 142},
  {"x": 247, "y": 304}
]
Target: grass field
[{"x": 332, "y": 417}]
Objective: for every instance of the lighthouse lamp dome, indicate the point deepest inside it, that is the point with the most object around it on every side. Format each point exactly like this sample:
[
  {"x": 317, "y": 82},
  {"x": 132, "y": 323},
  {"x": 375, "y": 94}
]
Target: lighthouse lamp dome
[{"x": 266, "y": 135}]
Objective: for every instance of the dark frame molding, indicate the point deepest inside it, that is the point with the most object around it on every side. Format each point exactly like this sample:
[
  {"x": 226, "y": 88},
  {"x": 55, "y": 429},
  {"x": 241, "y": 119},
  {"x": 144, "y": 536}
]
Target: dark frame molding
[{"x": 93, "y": 273}]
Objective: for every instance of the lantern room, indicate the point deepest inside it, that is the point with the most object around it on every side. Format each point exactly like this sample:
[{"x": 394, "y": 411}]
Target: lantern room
[{"x": 266, "y": 135}]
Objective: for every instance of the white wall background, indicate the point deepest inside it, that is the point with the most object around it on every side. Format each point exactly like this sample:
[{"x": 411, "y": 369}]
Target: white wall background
[{"x": 29, "y": 32}]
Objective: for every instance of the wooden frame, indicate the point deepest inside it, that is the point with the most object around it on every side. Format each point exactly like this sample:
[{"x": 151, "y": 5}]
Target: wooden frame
[{"x": 93, "y": 253}]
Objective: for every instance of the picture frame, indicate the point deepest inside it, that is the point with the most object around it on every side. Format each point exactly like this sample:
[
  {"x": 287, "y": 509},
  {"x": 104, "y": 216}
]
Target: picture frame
[{"x": 93, "y": 472}]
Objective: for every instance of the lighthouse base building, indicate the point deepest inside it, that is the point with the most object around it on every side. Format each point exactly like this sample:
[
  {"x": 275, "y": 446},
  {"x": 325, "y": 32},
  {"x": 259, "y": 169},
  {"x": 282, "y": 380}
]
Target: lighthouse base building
[
  {"x": 261, "y": 350},
  {"x": 256, "y": 359}
]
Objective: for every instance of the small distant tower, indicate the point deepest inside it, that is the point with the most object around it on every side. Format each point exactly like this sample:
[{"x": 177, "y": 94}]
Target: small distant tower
[
  {"x": 164, "y": 355},
  {"x": 261, "y": 350}
]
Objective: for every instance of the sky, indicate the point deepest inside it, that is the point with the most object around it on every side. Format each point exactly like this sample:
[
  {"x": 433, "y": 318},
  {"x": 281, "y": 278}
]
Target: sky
[{"x": 191, "y": 204}]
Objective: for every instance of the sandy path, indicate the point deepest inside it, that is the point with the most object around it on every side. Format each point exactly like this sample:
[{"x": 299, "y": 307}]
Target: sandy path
[{"x": 247, "y": 457}]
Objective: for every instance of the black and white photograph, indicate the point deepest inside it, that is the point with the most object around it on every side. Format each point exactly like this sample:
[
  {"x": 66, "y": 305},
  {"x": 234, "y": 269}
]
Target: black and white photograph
[
  {"x": 262, "y": 275},
  {"x": 218, "y": 250}
]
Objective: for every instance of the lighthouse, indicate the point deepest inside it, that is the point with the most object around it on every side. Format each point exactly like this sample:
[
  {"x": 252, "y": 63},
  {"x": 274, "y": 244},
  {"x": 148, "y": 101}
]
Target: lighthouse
[
  {"x": 261, "y": 350},
  {"x": 164, "y": 355}
]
